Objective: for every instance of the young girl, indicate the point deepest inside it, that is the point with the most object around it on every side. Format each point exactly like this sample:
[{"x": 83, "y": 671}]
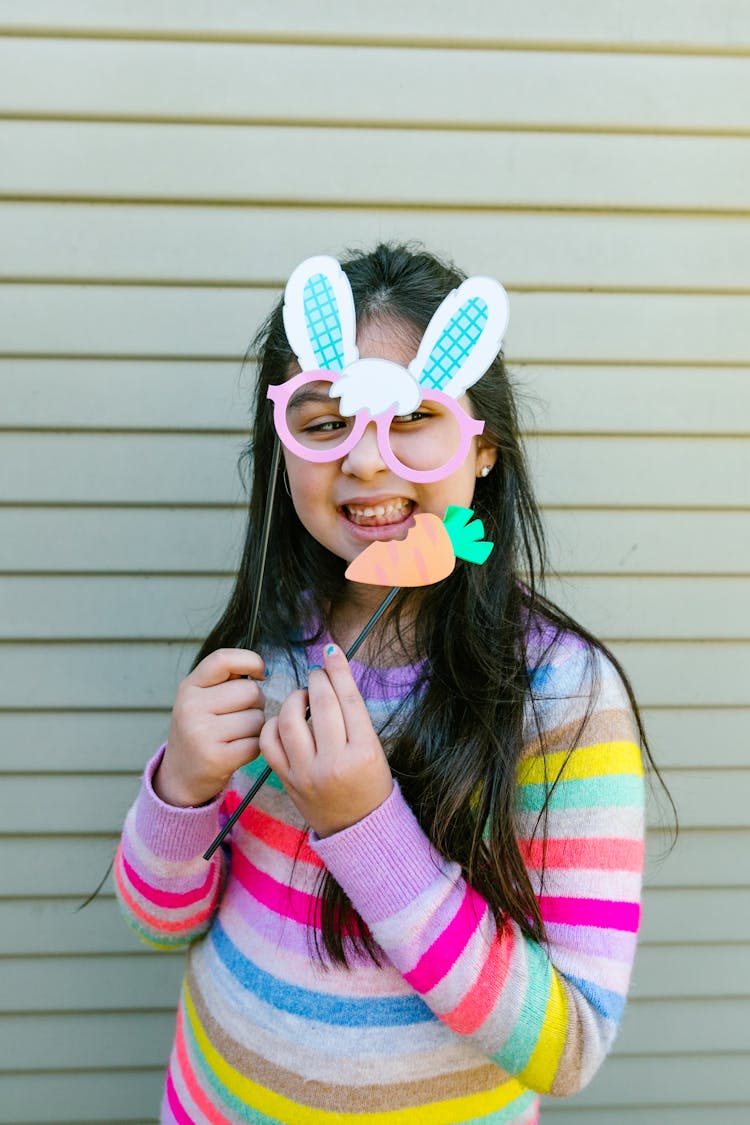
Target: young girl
[{"x": 429, "y": 912}]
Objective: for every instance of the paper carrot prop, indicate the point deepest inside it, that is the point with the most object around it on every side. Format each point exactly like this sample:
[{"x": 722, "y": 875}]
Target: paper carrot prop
[{"x": 427, "y": 554}]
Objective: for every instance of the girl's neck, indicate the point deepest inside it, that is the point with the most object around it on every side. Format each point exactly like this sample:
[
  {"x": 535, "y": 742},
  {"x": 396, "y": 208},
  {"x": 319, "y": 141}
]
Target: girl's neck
[{"x": 384, "y": 647}]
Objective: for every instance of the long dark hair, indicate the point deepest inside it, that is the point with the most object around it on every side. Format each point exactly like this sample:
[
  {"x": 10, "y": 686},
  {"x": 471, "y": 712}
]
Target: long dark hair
[{"x": 456, "y": 754}]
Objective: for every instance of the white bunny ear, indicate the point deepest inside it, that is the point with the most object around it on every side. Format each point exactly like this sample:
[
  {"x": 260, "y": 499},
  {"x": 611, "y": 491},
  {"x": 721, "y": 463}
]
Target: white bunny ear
[
  {"x": 319, "y": 315},
  {"x": 463, "y": 337}
]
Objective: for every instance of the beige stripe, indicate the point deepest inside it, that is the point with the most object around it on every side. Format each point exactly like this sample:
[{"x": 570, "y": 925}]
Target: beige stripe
[
  {"x": 603, "y": 726},
  {"x": 342, "y": 1098}
]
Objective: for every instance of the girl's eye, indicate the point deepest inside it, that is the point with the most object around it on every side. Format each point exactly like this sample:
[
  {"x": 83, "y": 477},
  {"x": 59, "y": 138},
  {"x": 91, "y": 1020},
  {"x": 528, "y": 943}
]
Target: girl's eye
[
  {"x": 330, "y": 426},
  {"x": 415, "y": 416}
]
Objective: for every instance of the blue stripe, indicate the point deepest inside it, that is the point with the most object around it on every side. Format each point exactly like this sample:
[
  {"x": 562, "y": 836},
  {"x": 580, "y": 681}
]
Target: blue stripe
[
  {"x": 611, "y": 1005},
  {"x": 344, "y": 1011}
]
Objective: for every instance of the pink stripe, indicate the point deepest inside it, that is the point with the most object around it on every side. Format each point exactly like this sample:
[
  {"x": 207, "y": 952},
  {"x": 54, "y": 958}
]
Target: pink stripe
[
  {"x": 175, "y": 1104},
  {"x": 614, "y": 854},
  {"x": 442, "y": 955},
  {"x": 597, "y": 912},
  {"x": 170, "y": 899},
  {"x": 278, "y": 897},
  {"x": 159, "y": 925}
]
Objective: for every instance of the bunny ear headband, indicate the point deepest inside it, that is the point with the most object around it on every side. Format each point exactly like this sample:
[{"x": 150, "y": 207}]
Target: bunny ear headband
[{"x": 461, "y": 341}]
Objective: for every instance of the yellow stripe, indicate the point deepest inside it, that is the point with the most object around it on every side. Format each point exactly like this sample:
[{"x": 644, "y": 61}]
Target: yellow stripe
[
  {"x": 587, "y": 761},
  {"x": 283, "y": 1109},
  {"x": 539, "y": 1073}
]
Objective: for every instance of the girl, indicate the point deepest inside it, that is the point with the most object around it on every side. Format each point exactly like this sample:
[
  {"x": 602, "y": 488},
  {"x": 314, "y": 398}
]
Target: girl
[{"x": 429, "y": 912}]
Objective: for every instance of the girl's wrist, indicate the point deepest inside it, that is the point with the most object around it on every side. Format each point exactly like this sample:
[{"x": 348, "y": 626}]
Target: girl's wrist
[{"x": 171, "y": 791}]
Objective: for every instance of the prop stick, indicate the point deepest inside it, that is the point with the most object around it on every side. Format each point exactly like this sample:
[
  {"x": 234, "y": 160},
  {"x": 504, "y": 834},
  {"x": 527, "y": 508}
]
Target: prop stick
[
  {"x": 264, "y": 536},
  {"x": 427, "y": 555},
  {"x": 261, "y": 780}
]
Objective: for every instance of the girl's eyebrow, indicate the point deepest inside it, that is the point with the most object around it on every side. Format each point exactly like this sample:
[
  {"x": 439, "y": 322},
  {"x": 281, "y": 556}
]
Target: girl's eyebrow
[{"x": 308, "y": 394}]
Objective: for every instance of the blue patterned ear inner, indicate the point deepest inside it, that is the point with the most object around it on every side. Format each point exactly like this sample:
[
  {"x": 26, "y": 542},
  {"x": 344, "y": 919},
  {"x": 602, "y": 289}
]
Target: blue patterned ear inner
[
  {"x": 455, "y": 343},
  {"x": 323, "y": 323}
]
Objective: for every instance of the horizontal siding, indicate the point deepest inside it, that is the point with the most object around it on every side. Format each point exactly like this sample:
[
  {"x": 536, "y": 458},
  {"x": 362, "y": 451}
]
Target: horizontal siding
[
  {"x": 595, "y": 158},
  {"x": 240, "y": 163},
  {"x": 252, "y": 246},
  {"x": 78, "y": 78},
  {"x": 689, "y": 24}
]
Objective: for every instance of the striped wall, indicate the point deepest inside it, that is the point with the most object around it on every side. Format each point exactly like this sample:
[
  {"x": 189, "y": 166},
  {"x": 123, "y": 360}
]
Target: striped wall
[{"x": 163, "y": 167}]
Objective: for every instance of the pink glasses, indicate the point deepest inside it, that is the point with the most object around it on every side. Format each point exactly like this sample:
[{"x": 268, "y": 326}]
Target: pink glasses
[{"x": 426, "y": 445}]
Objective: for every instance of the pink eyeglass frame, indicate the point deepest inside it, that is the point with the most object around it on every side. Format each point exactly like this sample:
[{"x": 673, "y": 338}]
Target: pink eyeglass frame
[{"x": 468, "y": 427}]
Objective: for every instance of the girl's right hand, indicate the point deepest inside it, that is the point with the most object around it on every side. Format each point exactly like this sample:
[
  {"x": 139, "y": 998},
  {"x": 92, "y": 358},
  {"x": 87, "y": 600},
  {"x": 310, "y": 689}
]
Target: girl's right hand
[{"x": 216, "y": 722}]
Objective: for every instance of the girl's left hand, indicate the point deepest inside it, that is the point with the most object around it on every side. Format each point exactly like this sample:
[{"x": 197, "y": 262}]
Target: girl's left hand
[{"x": 333, "y": 767}]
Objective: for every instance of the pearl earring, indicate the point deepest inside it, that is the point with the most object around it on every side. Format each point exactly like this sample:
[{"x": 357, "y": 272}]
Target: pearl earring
[{"x": 484, "y": 471}]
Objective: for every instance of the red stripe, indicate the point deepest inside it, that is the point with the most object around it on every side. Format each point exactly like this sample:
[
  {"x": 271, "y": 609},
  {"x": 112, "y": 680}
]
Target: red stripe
[
  {"x": 599, "y": 854},
  {"x": 597, "y": 912},
  {"x": 469, "y": 1015},
  {"x": 282, "y": 837}
]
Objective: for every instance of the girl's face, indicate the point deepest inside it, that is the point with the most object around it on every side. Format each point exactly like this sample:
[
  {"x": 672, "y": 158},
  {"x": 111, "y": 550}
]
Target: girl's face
[{"x": 346, "y": 504}]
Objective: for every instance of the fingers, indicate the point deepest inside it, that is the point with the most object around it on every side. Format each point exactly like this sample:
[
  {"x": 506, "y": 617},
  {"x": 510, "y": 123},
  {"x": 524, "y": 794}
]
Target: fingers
[
  {"x": 352, "y": 707},
  {"x": 272, "y": 749},
  {"x": 234, "y": 695},
  {"x": 328, "y": 727},
  {"x": 224, "y": 664},
  {"x": 239, "y": 725}
]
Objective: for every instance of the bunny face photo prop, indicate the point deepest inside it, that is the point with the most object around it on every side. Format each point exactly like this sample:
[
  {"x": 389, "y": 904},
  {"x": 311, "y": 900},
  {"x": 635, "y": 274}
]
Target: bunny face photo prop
[{"x": 423, "y": 432}]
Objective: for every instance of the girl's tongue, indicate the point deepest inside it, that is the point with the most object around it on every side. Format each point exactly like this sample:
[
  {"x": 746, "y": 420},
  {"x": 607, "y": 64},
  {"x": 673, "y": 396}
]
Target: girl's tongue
[{"x": 379, "y": 515}]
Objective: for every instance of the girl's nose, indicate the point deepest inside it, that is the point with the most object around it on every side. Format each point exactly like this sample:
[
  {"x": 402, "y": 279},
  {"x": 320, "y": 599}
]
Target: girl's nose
[{"x": 364, "y": 460}]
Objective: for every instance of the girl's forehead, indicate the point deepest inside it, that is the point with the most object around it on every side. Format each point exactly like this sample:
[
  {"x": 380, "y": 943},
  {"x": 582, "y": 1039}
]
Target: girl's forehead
[{"x": 381, "y": 337}]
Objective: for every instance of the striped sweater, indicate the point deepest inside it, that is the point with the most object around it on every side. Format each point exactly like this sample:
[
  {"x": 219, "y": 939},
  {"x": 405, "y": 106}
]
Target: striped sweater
[{"x": 462, "y": 1021}]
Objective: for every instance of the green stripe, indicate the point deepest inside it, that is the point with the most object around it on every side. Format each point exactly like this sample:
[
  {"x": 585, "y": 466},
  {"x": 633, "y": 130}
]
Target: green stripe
[
  {"x": 604, "y": 791},
  {"x": 519, "y": 1047}
]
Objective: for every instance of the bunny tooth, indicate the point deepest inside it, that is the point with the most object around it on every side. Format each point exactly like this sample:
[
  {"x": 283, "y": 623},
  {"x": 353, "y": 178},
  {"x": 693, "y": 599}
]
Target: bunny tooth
[{"x": 376, "y": 385}]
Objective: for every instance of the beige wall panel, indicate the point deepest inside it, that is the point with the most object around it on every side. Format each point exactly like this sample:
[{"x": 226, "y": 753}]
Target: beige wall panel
[
  {"x": 120, "y": 741},
  {"x": 246, "y": 163},
  {"x": 641, "y": 542},
  {"x": 201, "y": 323},
  {"x": 684, "y": 1115},
  {"x": 172, "y": 540},
  {"x": 53, "y": 804},
  {"x": 35, "y": 984},
  {"x": 263, "y": 245},
  {"x": 692, "y": 737},
  {"x": 40, "y": 540},
  {"x": 130, "y": 394},
  {"x": 677, "y": 916},
  {"x": 724, "y": 24},
  {"x": 47, "y": 926},
  {"x": 263, "y": 82},
  {"x": 178, "y": 395},
  {"x": 114, "y": 1039},
  {"x": 94, "y": 1097},
  {"x": 200, "y": 469},
  {"x": 81, "y": 741},
  {"x": 148, "y": 607}
]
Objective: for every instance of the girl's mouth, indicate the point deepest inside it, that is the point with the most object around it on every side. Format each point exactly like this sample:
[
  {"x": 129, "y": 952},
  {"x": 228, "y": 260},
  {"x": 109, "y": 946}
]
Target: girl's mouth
[{"x": 382, "y": 514}]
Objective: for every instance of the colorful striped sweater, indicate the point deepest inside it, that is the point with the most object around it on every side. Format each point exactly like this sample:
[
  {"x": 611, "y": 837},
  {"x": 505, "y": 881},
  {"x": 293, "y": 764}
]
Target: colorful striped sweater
[{"x": 462, "y": 1022}]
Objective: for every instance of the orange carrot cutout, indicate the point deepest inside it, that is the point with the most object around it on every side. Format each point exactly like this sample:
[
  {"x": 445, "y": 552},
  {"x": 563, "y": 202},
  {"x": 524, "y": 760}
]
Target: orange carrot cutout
[{"x": 427, "y": 554}]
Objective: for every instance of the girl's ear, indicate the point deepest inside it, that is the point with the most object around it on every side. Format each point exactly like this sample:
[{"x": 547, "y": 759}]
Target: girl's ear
[
  {"x": 463, "y": 337},
  {"x": 319, "y": 315}
]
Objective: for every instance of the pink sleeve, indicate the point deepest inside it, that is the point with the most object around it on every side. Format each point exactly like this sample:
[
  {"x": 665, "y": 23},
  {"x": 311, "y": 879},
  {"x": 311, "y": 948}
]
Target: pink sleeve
[
  {"x": 166, "y": 888},
  {"x": 546, "y": 1013}
]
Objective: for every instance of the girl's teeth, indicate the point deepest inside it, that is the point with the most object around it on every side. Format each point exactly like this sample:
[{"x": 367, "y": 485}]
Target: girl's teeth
[{"x": 393, "y": 512}]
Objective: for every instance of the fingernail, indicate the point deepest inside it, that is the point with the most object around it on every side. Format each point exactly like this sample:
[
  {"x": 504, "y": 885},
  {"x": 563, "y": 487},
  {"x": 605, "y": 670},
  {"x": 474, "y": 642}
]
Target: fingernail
[
  {"x": 268, "y": 671},
  {"x": 330, "y": 649},
  {"x": 314, "y": 667}
]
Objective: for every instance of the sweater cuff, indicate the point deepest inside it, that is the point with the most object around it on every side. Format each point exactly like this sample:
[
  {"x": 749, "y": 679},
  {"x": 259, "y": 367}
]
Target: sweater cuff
[
  {"x": 168, "y": 831},
  {"x": 384, "y": 861}
]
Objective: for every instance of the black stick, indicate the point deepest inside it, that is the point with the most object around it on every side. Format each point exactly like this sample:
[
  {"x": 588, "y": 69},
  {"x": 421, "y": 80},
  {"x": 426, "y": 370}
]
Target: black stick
[{"x": 261, "y": 780}]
